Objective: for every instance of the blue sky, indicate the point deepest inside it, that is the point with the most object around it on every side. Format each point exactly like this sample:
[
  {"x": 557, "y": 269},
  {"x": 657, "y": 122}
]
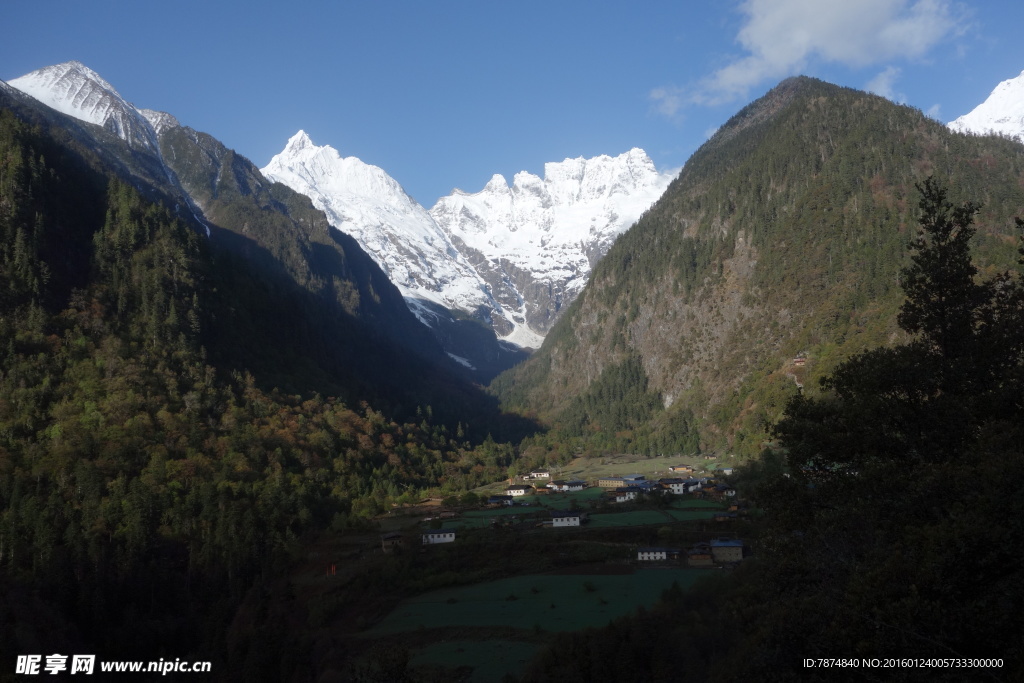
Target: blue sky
[{"x": 444, "y": 94}]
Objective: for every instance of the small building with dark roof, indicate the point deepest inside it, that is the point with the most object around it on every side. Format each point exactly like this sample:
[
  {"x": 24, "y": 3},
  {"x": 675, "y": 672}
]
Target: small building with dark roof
[
  {"x": 389, "y": 542},
  {"x": 727, "y": 549}
]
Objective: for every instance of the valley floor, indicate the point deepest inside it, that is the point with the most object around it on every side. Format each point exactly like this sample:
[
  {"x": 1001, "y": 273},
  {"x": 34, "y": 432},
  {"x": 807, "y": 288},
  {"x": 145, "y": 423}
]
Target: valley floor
[{"x": 484, "y": 605}]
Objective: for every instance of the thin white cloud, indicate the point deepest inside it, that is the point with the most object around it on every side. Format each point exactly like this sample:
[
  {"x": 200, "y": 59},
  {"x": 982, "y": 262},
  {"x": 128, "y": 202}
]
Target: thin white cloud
[
  {"x": 781, "y": 38},
  {"x": 667, "y": 101},
  {"x": 884, "y": 84}
]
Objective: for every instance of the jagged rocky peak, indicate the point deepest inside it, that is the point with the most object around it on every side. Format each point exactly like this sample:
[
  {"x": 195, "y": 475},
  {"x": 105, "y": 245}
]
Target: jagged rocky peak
[
  {"x": 74, "y": 89},
  {"x": 322, "y": 169},
  {"x": 496, "y": 184},
  {"x": 1001, "y": 113},
  {"x": 297, "y": 143}
]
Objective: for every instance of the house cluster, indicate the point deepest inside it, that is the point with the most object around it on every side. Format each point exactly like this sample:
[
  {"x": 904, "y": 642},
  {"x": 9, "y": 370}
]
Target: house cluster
[
  {"x": 630, "y": 487},
  {"x": 620, "y": 489},
  {"x": 718, "y": 552},
  {"x": 518, "y": 490}
]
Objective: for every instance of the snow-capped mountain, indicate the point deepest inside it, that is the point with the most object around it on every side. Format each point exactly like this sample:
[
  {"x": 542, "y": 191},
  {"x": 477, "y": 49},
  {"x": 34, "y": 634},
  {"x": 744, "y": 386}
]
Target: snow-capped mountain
[
  {"x": 76, "y": 90},
  {"x": 536, "y": 240},
  {"x": 512, "y": 256},
  {"x": 368, "y": 204},
  {"x": 1002, "y": 112}
]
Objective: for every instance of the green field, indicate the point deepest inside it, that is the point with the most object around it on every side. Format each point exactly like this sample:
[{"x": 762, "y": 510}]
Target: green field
[
  {"x": 697, "y": 503},
  {"x": 553, "y": 602},
  {"x": 646, "y": 517}
]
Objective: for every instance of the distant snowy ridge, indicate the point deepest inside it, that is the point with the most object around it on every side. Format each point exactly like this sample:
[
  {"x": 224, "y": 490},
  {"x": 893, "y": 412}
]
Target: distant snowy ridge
[
  {"x": 513, "y": 257},
  {"x": 1002, "y": 112},
  {"x": 536, "y": 240},
  {"x": 76, "y": 90}
]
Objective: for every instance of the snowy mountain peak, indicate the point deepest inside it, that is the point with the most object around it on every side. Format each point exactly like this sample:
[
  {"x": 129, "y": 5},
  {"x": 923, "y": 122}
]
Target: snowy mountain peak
[
  {"x": 1002, "y": 112},
  {"x": 362, "y": 200},
  {"x": 513, "y": 256},
  {"x": 297, "y": 143},
  {"x": 322, "y": 168},
  {"x": 76, "y": 90},
  {"x": 497, "y": 184}
]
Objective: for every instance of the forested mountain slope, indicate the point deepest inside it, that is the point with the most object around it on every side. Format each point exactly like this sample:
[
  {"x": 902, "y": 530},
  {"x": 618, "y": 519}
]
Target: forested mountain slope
[
  {"x": 151, "y": 475},
  {"x": 316, "y": 313},
  {"x": 329, "y": 282},
  {"x": 864, "y": 546},
  {"x": 783, "y": 237}
]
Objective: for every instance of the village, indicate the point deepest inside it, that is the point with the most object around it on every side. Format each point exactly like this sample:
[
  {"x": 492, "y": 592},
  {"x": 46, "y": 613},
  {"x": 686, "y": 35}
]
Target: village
[{"x": 700, "y": 510}]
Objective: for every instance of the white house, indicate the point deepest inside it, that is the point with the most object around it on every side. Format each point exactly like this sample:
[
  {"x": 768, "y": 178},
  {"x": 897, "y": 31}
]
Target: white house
[
  {"x": 435, "y": 536},
  {"x": 570, "y": 485},
  {"x": 656, "y": 554},
  {"x": 519, "y": 490},
  {"x": 540, "y": 474},
  {"x": 692, "y": 485},
  {"x": 626, "y": 493},
  {"x": 566, "y": 518},
  {"x": 674, "y": 485}
]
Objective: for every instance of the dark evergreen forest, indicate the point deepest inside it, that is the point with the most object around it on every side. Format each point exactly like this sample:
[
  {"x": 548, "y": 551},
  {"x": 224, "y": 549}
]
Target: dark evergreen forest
[
  {"x": 148, "y": 480},
  {"x": 783, "y": 235}
]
